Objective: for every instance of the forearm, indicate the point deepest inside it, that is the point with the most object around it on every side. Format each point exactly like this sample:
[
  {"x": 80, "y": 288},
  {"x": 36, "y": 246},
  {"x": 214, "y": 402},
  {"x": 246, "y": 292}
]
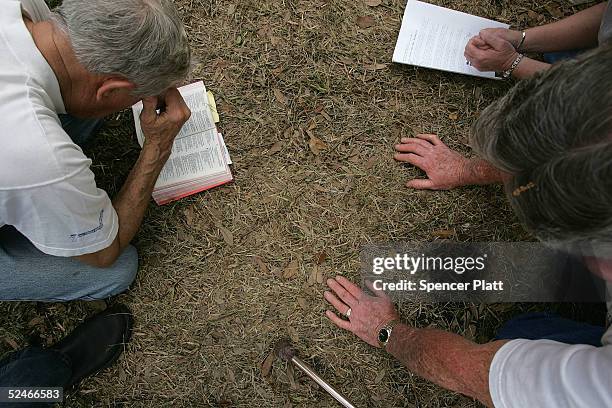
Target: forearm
[
  {"x": 446, "y": 359},
  {"x": 528, "y": 68},
  {"x": 578, "y": 31},
  {"x": 481, "y": 172},
  {"x": 133, "y": 198}
]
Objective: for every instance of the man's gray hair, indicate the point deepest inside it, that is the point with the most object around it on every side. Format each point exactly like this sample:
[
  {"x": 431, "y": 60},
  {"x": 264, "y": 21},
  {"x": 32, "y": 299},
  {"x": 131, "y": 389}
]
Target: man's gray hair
[
  {"x": 553, "y": 134},
  {"x": 141, "y": 40}
]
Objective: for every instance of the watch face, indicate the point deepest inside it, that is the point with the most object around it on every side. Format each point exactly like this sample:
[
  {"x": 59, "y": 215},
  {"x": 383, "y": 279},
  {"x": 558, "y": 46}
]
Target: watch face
[{"x": 383, "y": 335}]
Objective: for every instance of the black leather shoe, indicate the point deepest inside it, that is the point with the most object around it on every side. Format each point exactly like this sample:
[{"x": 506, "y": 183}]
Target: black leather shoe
[{"x": 97, "y": 343}]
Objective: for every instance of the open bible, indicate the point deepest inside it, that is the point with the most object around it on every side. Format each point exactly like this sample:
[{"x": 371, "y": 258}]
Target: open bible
[
  {"x": 199, "y": 159},
  {"x": 435, "y": 37}
]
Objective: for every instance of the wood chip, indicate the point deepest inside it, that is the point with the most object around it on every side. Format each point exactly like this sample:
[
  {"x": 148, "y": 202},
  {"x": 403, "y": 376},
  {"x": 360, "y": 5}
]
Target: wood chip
[{"x": 373, "y": 3}]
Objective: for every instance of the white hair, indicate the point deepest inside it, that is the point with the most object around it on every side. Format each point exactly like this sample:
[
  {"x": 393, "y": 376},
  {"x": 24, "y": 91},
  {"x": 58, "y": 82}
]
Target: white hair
[
  {"x": 141, "y": 40},
  {"x": 553, "y": 134}
]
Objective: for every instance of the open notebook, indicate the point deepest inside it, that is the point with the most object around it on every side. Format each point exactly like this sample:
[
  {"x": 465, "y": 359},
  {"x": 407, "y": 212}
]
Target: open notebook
[
  {"x": 199, "y": 159},
  {"x": 435, "y": 37}
]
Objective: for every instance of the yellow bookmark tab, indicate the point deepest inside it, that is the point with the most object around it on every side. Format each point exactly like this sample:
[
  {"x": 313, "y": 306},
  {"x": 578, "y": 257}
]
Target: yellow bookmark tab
[{"x": 213, "y": 106}]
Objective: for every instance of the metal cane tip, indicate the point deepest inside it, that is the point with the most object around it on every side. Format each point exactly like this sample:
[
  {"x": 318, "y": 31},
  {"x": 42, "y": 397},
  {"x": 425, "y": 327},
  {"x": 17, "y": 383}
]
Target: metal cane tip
[{"x": 284, "y": 350}]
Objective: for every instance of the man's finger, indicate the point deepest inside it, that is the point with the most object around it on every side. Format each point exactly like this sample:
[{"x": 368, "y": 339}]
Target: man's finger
[
  {"x": 410, "y": 158},
  {"x": 433, "y": 139},
  {"x": 377, "y": 292},
  {"x": 474, "y": 52},
  {"x": 149, "y": 108},
  {"x": 421, "y": 184},
  {"x": 422, "y": 142},
  {"x": 350, "y": 286},
  {"x": 335, "y": 302},
  {"x": 175, "y": 104},
  {"x": 479, "y": 42},
  {"x": 342, "y": 293},
  {"x": 413, "y": 148},
  {"x": 343, "y": 324}
]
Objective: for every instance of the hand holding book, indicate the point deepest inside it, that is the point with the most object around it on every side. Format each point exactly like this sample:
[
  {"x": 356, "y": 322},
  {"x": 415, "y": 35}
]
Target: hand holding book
[
  {"x": 163, "y": 127},
  {"x": 199, "y": 159}
]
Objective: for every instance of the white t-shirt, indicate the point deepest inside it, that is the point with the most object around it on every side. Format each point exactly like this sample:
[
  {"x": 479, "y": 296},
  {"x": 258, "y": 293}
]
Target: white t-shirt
[
  {"x": 545, "y": 373},
  {"x": 47, "y": 190}
]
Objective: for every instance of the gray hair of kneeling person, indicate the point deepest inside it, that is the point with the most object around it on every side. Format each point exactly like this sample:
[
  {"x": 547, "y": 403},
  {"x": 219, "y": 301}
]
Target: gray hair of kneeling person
[
  {"x": 142, "y": 40},
  {"x": 553, "y": 134}
]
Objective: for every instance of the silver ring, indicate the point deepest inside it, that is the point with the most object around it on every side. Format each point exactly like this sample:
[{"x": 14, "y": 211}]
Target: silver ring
[{"x": 348, "y": 313}]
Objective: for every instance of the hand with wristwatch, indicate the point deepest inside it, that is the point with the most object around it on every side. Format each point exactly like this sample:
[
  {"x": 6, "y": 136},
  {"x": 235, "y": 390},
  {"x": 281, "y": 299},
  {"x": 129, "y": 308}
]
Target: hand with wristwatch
[{"x": 371, "y": 318}]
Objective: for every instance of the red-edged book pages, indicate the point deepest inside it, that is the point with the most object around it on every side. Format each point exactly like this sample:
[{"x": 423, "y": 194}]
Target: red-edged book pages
[{"x": 199, "y": 159}]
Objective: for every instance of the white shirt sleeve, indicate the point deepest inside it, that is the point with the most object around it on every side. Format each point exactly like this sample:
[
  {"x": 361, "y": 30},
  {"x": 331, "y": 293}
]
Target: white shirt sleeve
[
  {"x": 545, "y": 373},
  {"x": 70, "y": 217},
  {"x": 37, "y": 10}
]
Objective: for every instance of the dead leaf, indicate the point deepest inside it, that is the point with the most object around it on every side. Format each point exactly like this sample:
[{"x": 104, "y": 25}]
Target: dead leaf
[
  {"x": 316, "y": 145},
  {"x": 319, "y": 275},
  {"x": 312, "y": 278},
  {"x": 380, "y": 376},
  {"x": 370, "y": 163},
  {"x": 11, "y": 343},
  {"x": 291, "y": 377},
  {"x": 189, "y": 215},
  {"x": 365, "y": 21},
  {"x": 291, "y": 270},
  {"x": 37, "y": 321},
  {"x": 228, "y": 237},
  {"x": 303, "y": 303},
  {"x": 373, "y": 3},
  {"x": 276, "y": 147},
  {"x": 376, "y": 67},
  {"x": 293, "y": 334},
  {"x": 261, "y": 264},
  {"x": 453, "y": 116},
  {"x": 231, "y": 9},
  {"x": 321, "y": 257},
  {"x": 280, "y": 97},
  {"x": 266, "y": 365},
  {"x": 444, "y": 233}
]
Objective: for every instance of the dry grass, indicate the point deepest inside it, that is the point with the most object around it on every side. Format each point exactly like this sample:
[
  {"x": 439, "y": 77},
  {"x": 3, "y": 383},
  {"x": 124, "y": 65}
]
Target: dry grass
[{"x": 207, "y": 315}]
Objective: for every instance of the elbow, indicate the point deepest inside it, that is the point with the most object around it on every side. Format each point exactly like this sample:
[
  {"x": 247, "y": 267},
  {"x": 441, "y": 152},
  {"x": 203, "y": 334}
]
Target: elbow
[
  {"x": 103, "y": 259},
  {"x": 106, "y": 262}
]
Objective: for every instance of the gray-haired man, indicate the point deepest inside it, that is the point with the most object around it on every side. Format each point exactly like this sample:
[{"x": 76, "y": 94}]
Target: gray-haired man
[{"x": 61, "y": 238}]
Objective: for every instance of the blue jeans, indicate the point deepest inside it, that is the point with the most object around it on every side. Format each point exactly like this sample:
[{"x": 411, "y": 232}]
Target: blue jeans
[
  {"x": 26, "y": 273},
  {"x": 34, "y": 367},
  {"x": 559, "y": 56},
  {"x": 547, "y": 326}
]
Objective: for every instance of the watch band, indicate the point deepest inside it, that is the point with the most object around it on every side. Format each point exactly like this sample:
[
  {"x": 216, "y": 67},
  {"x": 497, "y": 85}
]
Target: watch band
[
  {"x": 384, "y": 333},
  {"x": 523, "y": 36},
  {"x": 506, "y": 74}
]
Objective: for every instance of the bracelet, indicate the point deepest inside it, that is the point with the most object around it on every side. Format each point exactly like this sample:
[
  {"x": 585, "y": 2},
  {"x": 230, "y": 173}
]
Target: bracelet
[
  {"x": 522, "y": 41},
  {"x": 506, "y": 74}
]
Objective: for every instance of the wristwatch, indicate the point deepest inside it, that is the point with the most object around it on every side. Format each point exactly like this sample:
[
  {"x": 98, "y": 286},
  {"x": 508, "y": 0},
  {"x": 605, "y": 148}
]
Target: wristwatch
[{"x": 384, "y": 334}]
